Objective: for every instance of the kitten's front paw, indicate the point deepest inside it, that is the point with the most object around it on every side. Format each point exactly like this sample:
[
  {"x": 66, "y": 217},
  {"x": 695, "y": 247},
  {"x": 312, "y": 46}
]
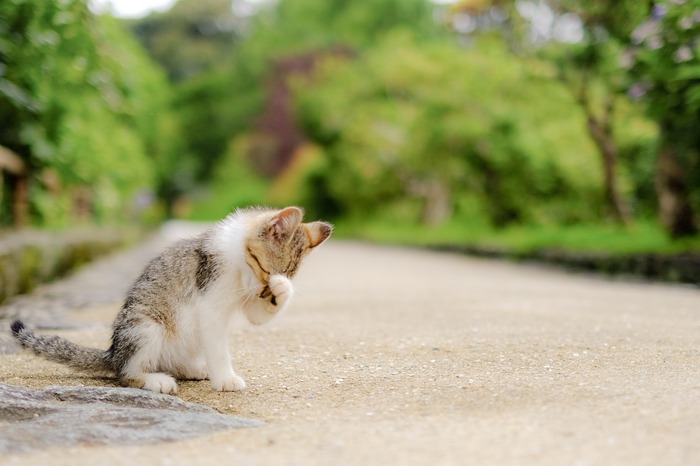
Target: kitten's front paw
[
  {"x": 229, "y": 384},
  {"x": 281, "y": 288}
]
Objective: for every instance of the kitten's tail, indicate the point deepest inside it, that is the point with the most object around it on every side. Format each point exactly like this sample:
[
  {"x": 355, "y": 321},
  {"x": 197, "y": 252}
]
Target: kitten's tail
[{"x": 60, "y": 350}]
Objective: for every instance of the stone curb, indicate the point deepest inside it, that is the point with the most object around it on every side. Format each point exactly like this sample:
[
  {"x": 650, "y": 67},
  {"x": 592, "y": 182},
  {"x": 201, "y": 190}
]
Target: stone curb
[
  {"x": 675, "y": 268},
  {"x": 29, "y": 258},
  {"x": 74, "y": 416}
]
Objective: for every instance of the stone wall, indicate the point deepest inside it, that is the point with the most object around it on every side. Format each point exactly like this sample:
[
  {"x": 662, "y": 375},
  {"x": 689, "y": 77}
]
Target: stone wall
[{"x": 31, "y": 257}]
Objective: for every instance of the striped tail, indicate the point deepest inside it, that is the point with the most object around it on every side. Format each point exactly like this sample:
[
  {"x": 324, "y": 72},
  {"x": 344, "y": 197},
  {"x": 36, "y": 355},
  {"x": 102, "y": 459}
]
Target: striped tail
[{"x": 60, "y": 350}]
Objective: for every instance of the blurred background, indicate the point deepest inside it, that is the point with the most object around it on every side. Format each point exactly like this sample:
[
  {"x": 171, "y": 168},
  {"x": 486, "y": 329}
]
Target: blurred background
[{"x": 518, "y": 124}]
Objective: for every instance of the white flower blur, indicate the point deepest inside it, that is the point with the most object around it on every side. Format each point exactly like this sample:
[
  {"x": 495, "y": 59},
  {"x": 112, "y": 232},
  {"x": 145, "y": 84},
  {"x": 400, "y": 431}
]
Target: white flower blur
[{"x": 683, "y": 54}]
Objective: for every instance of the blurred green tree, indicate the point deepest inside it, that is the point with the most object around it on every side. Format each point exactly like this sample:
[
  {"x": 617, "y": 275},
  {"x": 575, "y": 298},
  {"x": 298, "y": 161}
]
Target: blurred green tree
[
  {"x": 245, "y": 92},
  {"x": 219, "y": 86},
  {"x": 584, "y": 39},
  {"x": 82, "y": 107},
  {"x": 301, "y": 26},
  {"x": 192, "y": 37},
  {"x": 296, "y": 35},
  {"x": 590, "y": 68},
  {"x": 664, "y": 62},
  {"x": 437, "y": 124}
]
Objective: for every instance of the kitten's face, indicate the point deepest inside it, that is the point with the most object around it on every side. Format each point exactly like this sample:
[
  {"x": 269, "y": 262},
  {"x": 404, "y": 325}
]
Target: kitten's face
[{"x": 281, "y": 242}]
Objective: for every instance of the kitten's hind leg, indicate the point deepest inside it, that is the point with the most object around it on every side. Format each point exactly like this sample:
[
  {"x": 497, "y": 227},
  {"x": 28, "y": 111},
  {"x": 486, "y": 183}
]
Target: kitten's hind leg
[
  {"x": 137, "y": 373},
  {"x": 154, "y": 381},
  {"x": 142, "y": 368}
]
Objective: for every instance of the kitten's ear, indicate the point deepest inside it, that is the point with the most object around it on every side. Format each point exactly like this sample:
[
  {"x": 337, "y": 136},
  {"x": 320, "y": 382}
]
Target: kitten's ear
[
  {"x": 283, "y": 224},
  {"x": 317, "y": 232}
]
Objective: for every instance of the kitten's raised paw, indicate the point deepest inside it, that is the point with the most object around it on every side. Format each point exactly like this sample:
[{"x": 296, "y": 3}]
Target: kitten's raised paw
[
  {"x": 281, "y": 288},
  {"x": 160, "y": 383},
  {"x": 230, "y": 384}
]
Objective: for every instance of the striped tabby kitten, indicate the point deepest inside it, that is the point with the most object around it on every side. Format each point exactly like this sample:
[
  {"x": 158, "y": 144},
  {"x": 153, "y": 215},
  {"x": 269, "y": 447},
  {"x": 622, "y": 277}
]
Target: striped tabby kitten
[{"x": 174, "y": 320}]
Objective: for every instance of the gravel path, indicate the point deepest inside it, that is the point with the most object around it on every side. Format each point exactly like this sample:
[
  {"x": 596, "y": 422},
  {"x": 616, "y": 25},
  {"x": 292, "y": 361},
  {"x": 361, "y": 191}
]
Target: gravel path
[{"x": 397, "y": 356}]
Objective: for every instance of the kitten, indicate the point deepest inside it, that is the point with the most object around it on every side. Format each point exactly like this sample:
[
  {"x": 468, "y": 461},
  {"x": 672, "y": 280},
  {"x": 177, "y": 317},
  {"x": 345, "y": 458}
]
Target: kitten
[{"x": 174, "y": 320}]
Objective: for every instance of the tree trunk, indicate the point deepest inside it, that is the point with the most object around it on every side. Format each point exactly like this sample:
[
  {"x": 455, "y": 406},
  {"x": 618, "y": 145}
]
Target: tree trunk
[
  {"x": 19, "y": 182},
  {"x": 82, "y": 204},
  {"x": 437, "y": 208},
  {"x": 20, "y": 202},
  {"x": 600, "y": 129},
  {"x": 675, "y": 210},
  {"x": 602, "y": 136}
]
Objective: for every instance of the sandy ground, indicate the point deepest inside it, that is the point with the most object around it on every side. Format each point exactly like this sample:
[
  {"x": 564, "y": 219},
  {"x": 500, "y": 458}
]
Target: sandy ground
[{"x": 397, "y": 356}]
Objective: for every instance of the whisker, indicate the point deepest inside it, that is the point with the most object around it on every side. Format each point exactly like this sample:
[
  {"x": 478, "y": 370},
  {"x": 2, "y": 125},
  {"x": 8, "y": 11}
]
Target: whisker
[
  {"x": 240, "y": 293},
  {"x": 250, "y": 297},
  {"x": 301, "y": 289}
]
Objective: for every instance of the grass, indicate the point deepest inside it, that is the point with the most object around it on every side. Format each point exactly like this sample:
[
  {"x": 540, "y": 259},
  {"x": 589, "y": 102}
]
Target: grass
[{"x": 641, "y": 237}]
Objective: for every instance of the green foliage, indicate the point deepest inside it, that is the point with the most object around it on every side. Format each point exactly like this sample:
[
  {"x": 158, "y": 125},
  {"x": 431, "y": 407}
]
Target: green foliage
[
  {"x": 665, "y": 61},
  {"x": 213, "y": 109},
  {"x": 234, "y": 185},
  {"x": 193, "y": 37},
  {"x": 637, "y": 137},
  {"x": 401, "y": 125},
  {"x": 298, "y": 26},
  {"x": 86, "y": 110},
  {"x": 196, "y": 42},
  {"x": 495, "y": 129},
  {"x": 226, "y": 103},
  {"x": 607, "y": 18}
]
